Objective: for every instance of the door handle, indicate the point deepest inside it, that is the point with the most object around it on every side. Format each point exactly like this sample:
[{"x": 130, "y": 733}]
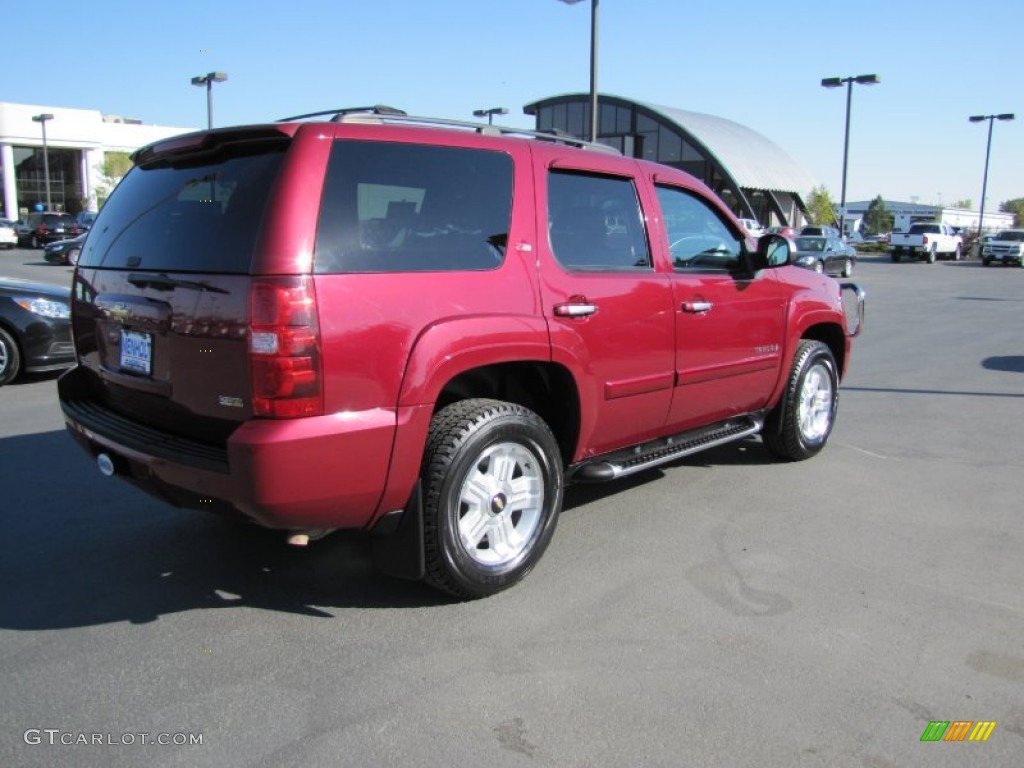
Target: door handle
[
  {"x": 573, "y": 309},
  {"x": 697, "y": 307}
]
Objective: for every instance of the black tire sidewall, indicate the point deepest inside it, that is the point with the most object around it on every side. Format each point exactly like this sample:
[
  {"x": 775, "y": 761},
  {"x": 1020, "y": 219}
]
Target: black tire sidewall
[
  {"x": 820, "y": 354},
  {"x": 511, "y": 424},
  {"x": 13, "y": 365}
]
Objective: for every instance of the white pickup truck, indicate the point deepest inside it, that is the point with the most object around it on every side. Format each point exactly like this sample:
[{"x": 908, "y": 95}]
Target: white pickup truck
[{"x": 928, "y": 240}]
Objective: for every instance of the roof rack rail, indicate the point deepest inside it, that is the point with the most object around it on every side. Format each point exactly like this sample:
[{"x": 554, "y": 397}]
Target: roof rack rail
[
  {"x": 337, "y": 114},
  {"x": 561, "y": 137}
]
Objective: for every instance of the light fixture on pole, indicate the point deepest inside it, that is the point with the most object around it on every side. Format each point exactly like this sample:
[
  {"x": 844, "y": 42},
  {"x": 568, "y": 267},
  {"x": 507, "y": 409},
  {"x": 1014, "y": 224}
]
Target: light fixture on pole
[
  {"x": 46, "y": 155},
  {"x": 988, "y": 150},
  {"x": 593, "y": 65},
  {"x": 490, "y": 113},
  {"x": 208, "y": 80},
  {"x": 837, "y": 82}
]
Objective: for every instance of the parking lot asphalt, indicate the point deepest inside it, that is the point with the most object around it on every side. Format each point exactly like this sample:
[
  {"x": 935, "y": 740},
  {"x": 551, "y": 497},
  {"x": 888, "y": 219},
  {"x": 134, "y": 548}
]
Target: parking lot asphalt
[{"x": 726, "y": 610}]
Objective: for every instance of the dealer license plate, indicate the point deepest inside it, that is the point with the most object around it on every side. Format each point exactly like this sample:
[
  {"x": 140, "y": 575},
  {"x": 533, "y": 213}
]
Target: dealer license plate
[{"x": 137, "y": 351}]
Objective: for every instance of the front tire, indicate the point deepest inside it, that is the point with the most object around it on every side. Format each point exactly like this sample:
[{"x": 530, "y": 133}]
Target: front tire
[
  {"x": 848, "y": 268},
  {"x": 492, "y": 479},
  {"x": 799, "y": 426},
  {"x": 72, "y": 256},
  {"x": 10, "y": 358}
]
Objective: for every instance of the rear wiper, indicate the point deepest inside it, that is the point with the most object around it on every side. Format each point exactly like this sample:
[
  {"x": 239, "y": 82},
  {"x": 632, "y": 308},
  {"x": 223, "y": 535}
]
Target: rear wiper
[{"x": 168, "y": 283}]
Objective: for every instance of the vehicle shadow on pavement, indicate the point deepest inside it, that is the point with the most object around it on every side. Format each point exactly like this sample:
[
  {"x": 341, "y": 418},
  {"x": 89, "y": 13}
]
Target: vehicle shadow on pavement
[
  {"x": 80, "y": 549},
  {"x": 1010, "y": 363}
]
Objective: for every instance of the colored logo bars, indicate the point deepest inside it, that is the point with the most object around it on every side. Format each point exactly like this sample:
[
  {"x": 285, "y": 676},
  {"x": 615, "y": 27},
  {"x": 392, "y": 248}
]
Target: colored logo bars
[{"x": 958, "y": 730}]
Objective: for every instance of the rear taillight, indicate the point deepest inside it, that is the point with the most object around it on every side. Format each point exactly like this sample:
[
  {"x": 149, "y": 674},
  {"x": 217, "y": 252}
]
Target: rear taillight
[
  {"x": 284, "y": 348},
  {"x": 926, "y": 240}
]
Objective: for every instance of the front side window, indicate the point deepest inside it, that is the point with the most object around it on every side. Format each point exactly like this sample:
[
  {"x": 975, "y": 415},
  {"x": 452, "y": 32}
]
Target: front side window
[
  {"x": 390, "y": 207},
  {"x": 698, "y": 239},
  {"x": 595, "y": 222}
]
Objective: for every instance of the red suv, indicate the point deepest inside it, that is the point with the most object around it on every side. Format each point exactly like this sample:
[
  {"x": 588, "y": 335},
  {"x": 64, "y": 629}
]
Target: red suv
[{"x": 425, "y": 329}]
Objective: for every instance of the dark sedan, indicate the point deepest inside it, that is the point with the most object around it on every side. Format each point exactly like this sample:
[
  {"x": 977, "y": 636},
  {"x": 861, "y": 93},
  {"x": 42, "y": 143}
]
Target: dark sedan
[
  {"x": 825, "y": 254},
  {"x": 35, "y": 329},
  {"x": 64, "y": 251}
]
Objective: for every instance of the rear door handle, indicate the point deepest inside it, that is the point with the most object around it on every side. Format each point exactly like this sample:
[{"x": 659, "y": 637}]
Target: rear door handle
[{"x": 697, "y": 307}]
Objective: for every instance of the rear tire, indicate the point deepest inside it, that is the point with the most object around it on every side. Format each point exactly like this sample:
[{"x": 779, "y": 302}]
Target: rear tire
[
  {"x": 799, "y": 426},
  {"x": 492, "y": 479},
  {"x": 931, "y": 255},
  {"x": 10, "y": 358},
  {"x": 895, "y": 258}
]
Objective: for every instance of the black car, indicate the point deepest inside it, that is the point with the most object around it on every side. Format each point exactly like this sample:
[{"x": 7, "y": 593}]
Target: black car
[
  {"x": 64, "y": 251},
  {"x": 40, "y": 228},
  {"x": 35, "y": 331}
]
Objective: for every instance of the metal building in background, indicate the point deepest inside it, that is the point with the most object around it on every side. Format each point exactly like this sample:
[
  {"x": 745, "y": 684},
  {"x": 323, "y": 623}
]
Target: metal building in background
[{"x": 752, "y": 174}]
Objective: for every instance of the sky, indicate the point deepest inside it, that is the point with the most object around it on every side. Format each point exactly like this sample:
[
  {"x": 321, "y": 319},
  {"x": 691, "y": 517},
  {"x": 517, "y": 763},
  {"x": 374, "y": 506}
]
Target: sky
[{"x": 756, "y": 63}]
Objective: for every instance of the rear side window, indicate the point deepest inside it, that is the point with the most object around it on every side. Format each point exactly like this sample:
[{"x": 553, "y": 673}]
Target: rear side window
[
  {"x": 201, "y": 215},
  {"x": 391, "y": 207},
  {"x": 595, "y": 222}
]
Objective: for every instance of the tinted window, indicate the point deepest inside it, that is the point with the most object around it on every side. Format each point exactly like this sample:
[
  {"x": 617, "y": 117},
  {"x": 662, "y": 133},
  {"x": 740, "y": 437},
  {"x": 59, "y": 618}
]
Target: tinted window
[
  {"x": 190, "y": 216},
  {"x": 698, "y": 239},
  {"x": 596, "y": 222},
  {"x": 412, "y": 208}
]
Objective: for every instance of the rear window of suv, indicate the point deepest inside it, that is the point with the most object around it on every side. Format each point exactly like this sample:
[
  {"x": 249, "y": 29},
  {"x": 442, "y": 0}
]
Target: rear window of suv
[
  {"x": 392, "y": 207},
  {"x": 198, "y": 214}
]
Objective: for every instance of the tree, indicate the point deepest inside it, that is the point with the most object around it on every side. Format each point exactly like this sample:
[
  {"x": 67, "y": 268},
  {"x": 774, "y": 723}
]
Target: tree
[
  {"x": 966, "y": 204},
  {"x": 820, "y": 207},
  {"x": 1016, "y": 207},
  {"x": 113, "y": 168},
  {"x": 877, "y": 218}
]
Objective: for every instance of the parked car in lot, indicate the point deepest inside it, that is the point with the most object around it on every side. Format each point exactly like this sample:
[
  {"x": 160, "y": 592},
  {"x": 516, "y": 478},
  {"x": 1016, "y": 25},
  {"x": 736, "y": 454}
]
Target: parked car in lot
[
  {"x": 424, "y": 330},
  {"x": 64, "y": 251},
  {"x": 928, "y": 241},
  {"x": 84, "y": 219},
  {"x": 815, "y": 230},
  {"x": 789, "y": 232},
  {"x": 1006, "y": 247},
  {"x": 41, "y": 228},
  {"x": 35, "y": 333},
  {"x": 8, "y": 234},
  {"x": 825, "y": 254},
  {"x": 753, "y": 227}
]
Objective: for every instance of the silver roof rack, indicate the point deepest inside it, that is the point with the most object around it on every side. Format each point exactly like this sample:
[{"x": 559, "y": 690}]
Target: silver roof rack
[{"x": 380, "y": 114}]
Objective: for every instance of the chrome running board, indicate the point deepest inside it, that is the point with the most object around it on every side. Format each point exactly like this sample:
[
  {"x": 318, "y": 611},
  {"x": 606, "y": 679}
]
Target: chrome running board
[{"x": 626, "y": 462}]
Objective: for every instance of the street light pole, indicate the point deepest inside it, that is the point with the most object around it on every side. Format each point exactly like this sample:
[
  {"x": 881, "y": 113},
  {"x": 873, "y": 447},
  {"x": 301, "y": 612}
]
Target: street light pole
[
  {"x": 208, "y": 80},
  {"x": 593, "y": 65},
  {"x": 988, "y": 151},
  {"x": 836, "y": 82},
  {"x": 490, "y": 113},
  {"x": 46, "y": 155}
]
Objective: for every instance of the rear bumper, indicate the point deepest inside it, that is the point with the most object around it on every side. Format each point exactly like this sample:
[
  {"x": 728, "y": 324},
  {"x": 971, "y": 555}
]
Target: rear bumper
[{"x": 318, "y": 472}]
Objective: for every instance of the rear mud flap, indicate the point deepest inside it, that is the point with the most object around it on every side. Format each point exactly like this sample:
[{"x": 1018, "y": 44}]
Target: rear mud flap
[{"x": 397, "y": 541}]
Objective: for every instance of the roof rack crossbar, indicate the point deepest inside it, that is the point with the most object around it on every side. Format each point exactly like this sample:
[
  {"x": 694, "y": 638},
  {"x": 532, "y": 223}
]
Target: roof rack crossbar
[
  {"x": 487, "y": 129},
  {"x": 337, "y": 114}
]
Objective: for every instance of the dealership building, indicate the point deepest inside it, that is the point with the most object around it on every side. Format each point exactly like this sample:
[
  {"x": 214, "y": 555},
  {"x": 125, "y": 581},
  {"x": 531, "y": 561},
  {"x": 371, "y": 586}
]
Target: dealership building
[
  {"x": 753, "y": 175},
  {"x": 76, "y": 142},
  {"x": 905, "y": 214}
]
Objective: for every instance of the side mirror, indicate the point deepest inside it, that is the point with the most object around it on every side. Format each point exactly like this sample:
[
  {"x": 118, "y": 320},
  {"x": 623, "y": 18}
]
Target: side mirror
[{"x": 772, "y": 251}]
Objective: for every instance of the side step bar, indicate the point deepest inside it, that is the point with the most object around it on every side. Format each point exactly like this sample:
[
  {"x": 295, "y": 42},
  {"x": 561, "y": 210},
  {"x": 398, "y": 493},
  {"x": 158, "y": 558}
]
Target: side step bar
[{"x": 632, "y": 460}]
